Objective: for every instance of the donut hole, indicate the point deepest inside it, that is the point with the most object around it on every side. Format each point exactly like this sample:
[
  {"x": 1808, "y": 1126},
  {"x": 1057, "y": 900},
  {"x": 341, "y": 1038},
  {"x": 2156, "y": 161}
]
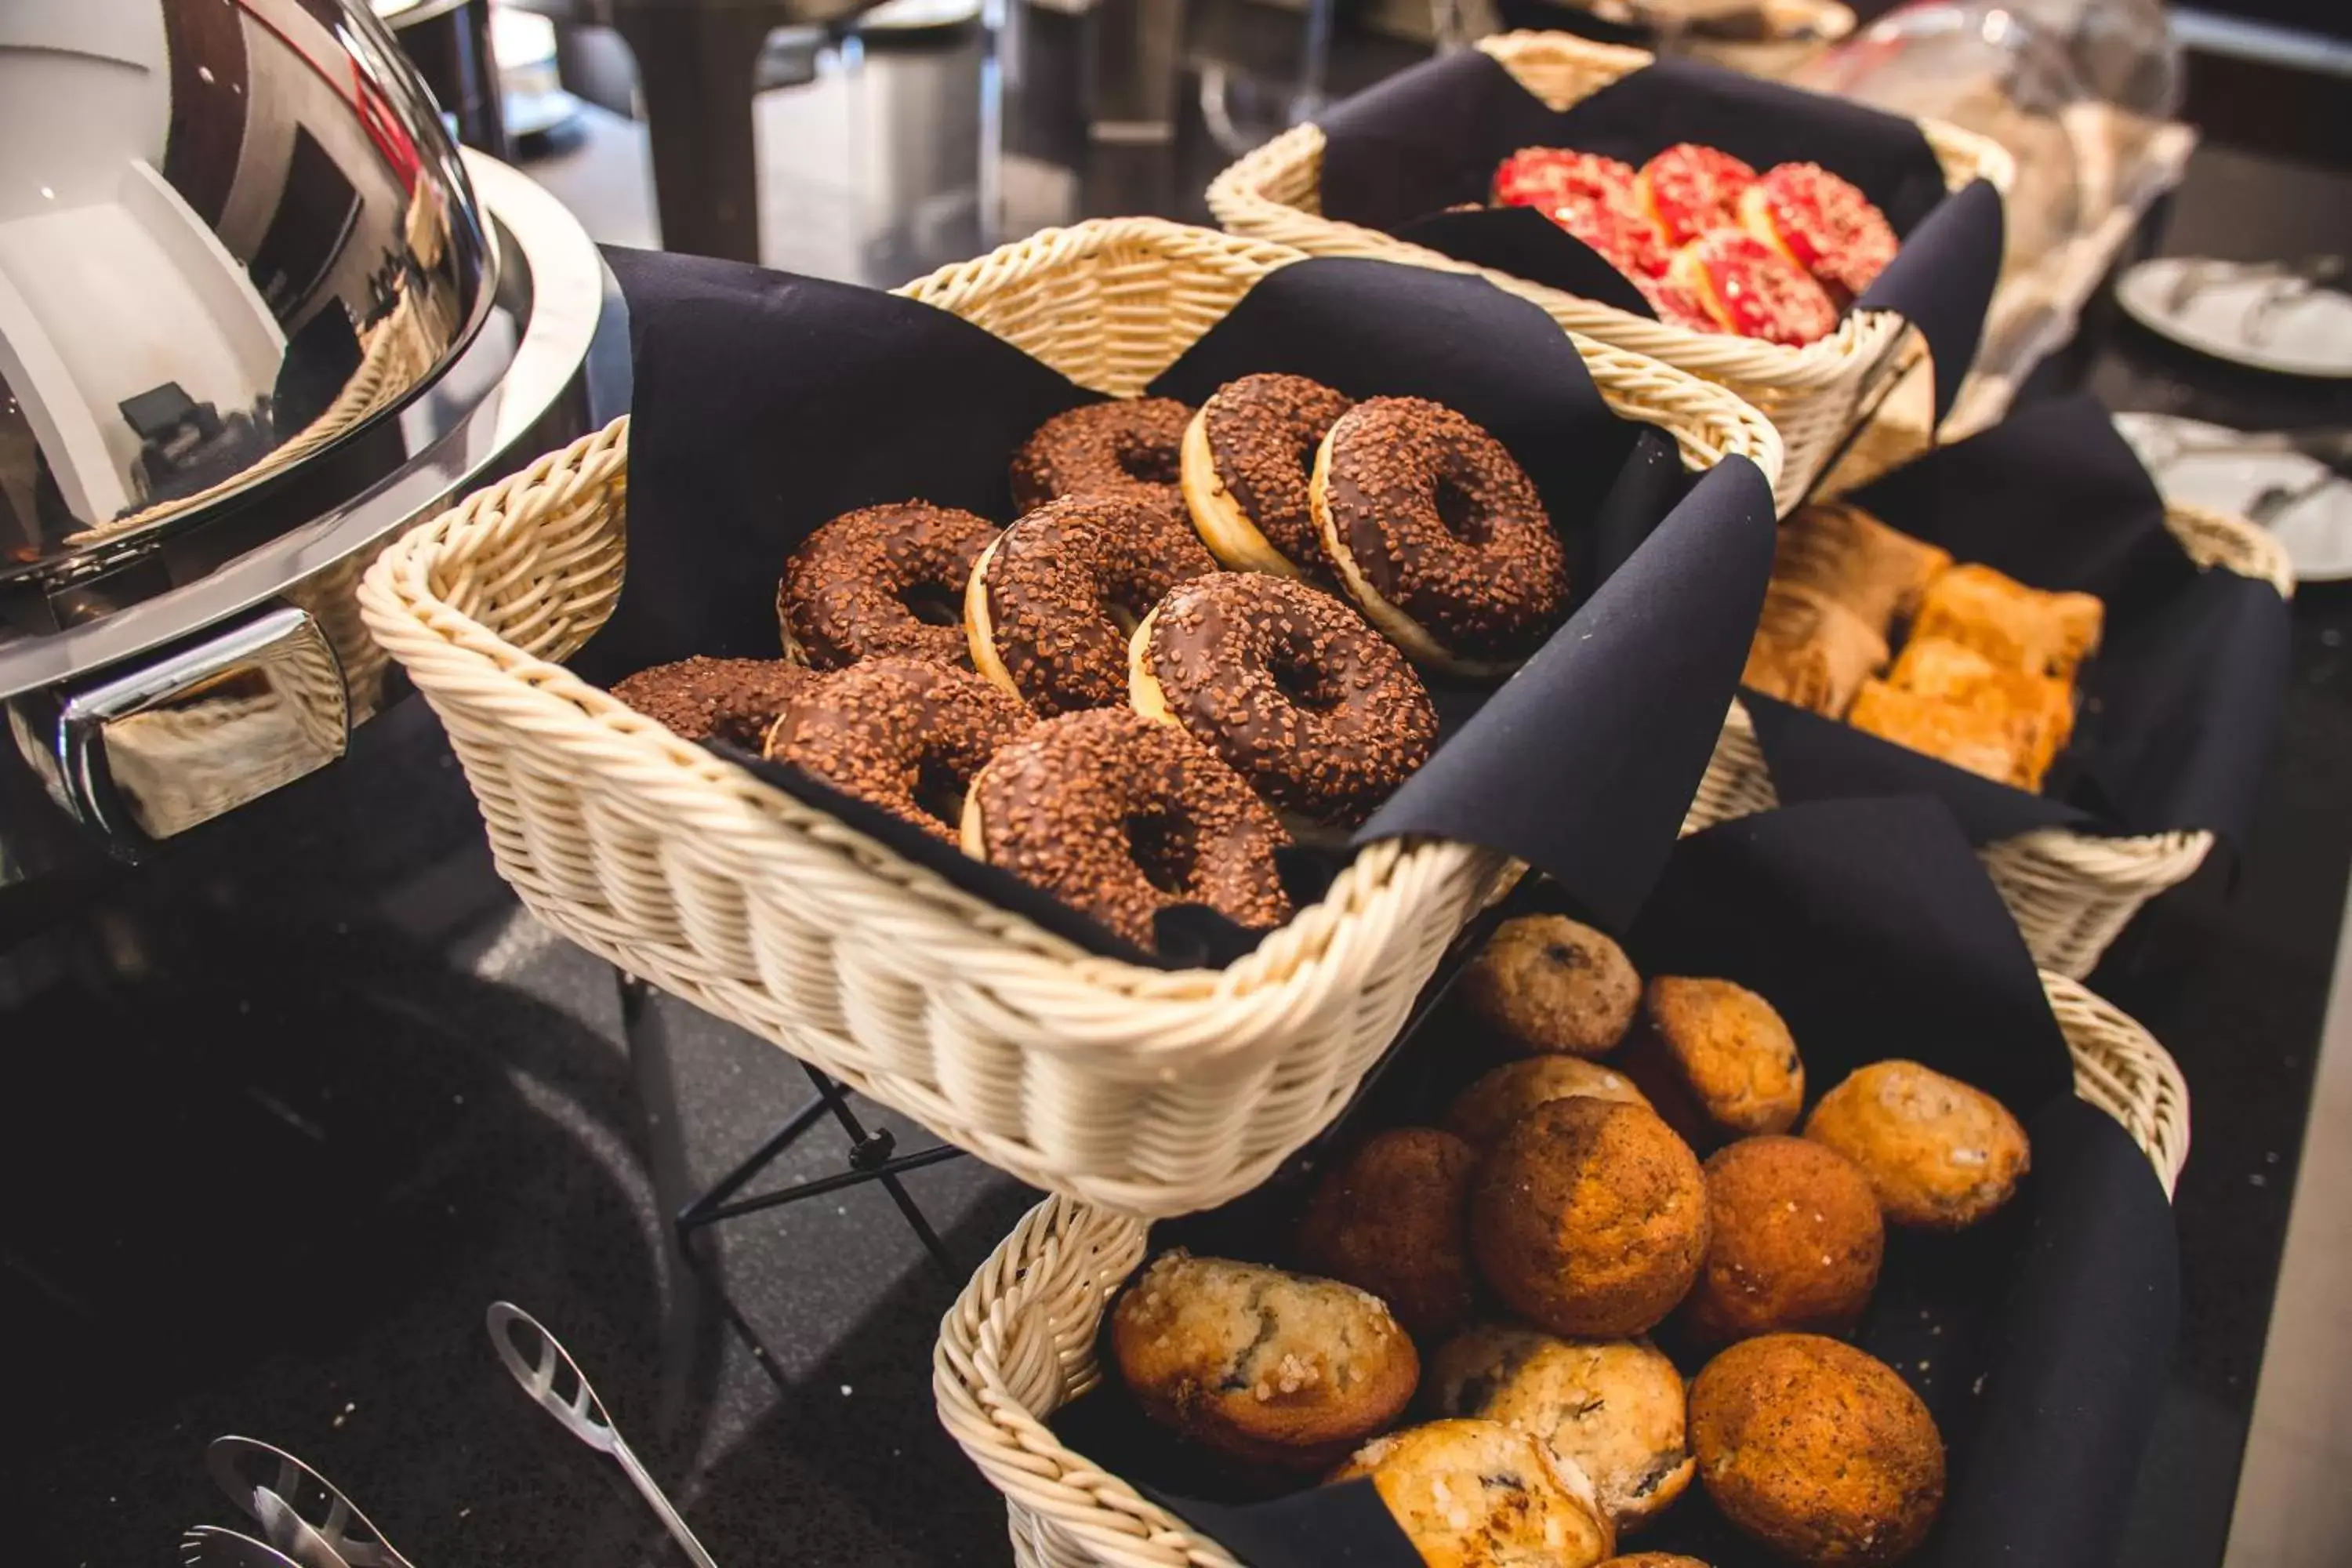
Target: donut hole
[
  {"x": 940, "y": 790},
  {"x": 933, "y": 604},
  {"x": 1461, "y": 513},
  {"x": 1162, "y": 847},
  {"x": 1148, "y": 463},
  {"x": 1301, "y": 676}
]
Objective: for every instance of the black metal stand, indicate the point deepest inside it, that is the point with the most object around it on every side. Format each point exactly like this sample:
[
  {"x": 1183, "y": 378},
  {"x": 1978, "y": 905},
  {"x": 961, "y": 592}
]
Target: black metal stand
[{"x": 873, "y": 1157}]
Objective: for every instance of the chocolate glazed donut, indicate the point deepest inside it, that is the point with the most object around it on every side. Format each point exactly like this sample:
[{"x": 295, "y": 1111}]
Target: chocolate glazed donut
[
  {"x": 882, "y": 580},
  {"x": 1120, "y": 818},
  {"x": 1439, "y": 535},
  {"x": 1126, "y": 444},
  {"x": 1249, "y": 455},
  {"x": 900, "y": 734},
  {"x": 1051, "y": 603},
  {"x": 1322, "y": 715}
]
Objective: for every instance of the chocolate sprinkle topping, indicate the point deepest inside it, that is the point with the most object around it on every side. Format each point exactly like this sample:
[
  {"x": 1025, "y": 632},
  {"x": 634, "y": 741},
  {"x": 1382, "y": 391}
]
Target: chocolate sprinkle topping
[
  {"x": 1263, "y": 431},
  {"x": 1446, "y": 526},
  {"x": 731, "y": 700},
  {"x": 883, "y": 579},
  {"x": 1121, "y": 817},
  {"x": 902, "y": 734},
  {"x": 1292, "y": 688},
  {"x": 1070, "y": 581},
  {"x": 1132, "y": 443}
]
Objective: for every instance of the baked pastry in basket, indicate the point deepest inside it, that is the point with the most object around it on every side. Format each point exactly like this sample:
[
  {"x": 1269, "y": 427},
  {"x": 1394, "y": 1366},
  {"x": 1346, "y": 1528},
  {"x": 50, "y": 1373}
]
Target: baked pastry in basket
[
  {"x": 1842, "y": 551},
  {"x": 2009, "y": 623},
  {"x": 1985, "y": 744},
  {"x": 1478, "y": 1494},
  {"x": 1810, "y": 651},
  {"x": 1274, "y": 1368},
  {"x": 1613, "y": 1406},
  {"x": 1393, "y": 1218},
  {"x": 2040, "y": 707}
]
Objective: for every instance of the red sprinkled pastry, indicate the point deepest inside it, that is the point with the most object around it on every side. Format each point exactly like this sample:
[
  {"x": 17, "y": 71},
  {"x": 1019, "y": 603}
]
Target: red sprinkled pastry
[
  {"x": 1752, "y": 289},
  {"x": 1552, "y": 177},
  {"x": 1689, "y": 189},
  {"x": 1676, "y": 305},
  {"x": 1591, "y": 197},
  {"x": 1821, "y": 222}
]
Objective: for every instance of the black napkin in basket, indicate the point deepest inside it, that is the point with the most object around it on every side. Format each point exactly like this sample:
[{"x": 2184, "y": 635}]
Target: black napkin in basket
[
  {"x": 767, "y": 403},
  {"x": 2177, "y": 710},
  {"x": 1427, "y": 138},
  {"x": 2039, "y": 1339}
]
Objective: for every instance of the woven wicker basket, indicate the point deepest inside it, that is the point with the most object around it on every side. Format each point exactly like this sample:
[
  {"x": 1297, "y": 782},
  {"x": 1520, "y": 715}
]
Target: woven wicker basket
[
  {"x": 1020, "y": 1341},
  {"x": 2072, "y": 892},
  {"x": 1137, "y": 1088},
  {"x": 1815, "y": 395}
]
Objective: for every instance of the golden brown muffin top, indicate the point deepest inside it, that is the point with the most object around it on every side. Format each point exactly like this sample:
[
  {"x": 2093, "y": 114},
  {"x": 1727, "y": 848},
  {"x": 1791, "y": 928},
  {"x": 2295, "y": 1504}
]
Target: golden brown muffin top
[
  {"x": 1938, "y": 1153},
  {"x": 1732, "y": 1049},
  {"x": 1479, "y": 1494},
  {"x": 1284, "y": 1357},
  {"x": 1817, "y": 1448},
  {"x": 1392, "y": 1218},
  {"x": 1482, "y": 1113},
  {"x": 1590, "y": 1216},
  {"x": 1797, "y": 1240}
]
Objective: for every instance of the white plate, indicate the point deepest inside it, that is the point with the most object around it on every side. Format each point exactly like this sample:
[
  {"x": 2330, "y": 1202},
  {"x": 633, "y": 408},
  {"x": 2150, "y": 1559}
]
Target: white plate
[
  {"x": 2317, "y": 530},
  {"x": 2308, "y": 332}
]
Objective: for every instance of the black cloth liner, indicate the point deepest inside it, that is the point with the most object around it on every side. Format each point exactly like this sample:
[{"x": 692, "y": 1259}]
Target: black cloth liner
[
  {"x": 1397, "y": 155},
  {"x": 2039, "y": 1339},
  {"x": 2178, "y": 707},
  {"x": 767, "y": 403}
]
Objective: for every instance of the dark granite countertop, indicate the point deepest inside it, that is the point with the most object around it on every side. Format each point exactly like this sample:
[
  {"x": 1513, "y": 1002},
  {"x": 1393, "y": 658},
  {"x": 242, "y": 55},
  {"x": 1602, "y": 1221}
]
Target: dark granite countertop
[{"x": 290, "y": 1110}]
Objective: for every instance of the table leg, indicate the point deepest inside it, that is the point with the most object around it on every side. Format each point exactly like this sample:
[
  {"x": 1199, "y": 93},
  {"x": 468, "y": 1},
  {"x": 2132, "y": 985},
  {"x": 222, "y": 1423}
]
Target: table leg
[{"x": 695, "y": 66}]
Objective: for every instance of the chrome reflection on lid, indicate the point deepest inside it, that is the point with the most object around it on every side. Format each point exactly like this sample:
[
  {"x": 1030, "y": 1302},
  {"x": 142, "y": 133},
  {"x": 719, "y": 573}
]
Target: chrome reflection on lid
[{"x": 231, "y": 233}]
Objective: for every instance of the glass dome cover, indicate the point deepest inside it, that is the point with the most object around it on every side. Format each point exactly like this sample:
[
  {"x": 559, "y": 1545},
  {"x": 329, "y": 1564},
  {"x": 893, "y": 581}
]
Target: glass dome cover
[{"x": 235, "y": 235}]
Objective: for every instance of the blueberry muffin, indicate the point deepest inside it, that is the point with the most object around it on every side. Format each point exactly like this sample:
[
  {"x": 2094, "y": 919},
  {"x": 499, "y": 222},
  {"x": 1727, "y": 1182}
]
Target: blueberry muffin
[
  {"x": 1794, "y": 1243},
  {"x": 1589, "y": 1218},
  {"x": 1548, "y": 984},
  {"x": 1715, "y": 1060},
  {"x": 1478, "y": 1494},
  {"x": 1392, "y": 1218},
  {"x": 1817, "y": 1450},
  {"x": 1940, "y": 1154},
  {"x": 1484, "y": 1110},
  {"x": 1614, "y": 1406},
  {"x": 1278, "y": 1369}
]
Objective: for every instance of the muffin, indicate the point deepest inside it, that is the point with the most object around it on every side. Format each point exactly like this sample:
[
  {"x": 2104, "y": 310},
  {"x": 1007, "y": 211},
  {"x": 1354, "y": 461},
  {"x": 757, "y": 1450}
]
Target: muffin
[
  {"x": 1590, "y": 1217},
  {"x": 1715, "y": 1059},
  {"x": 1549, "y": 984},
  {"x": 1392, "y": 1219},
  {"x": 1483, "y": 1113},
  {"x": 1816, "y": 1449},
  {"x": 1652, "y": 1560},
  {"x": 1478, "y": 1494},
  {"x": 1613, "y": 1406},
  {"x": 1940, "y": 1154},
  {"x": 1794, "y": 1242},
  {"x": 1275, "y": 1368}
]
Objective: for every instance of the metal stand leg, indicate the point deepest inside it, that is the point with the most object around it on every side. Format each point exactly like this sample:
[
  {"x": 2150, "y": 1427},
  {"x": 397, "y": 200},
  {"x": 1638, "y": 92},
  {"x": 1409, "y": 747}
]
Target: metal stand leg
[{"x": 872, "y": 1158}]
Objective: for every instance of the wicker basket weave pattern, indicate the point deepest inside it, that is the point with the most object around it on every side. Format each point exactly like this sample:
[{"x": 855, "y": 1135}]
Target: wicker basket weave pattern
[
  {"x": 1142, "y": 1089},
  {"x": 1020, "y": 1341},
  {"x": 1813, "y": 394},
  {"x": 2072, "y": 893}
]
